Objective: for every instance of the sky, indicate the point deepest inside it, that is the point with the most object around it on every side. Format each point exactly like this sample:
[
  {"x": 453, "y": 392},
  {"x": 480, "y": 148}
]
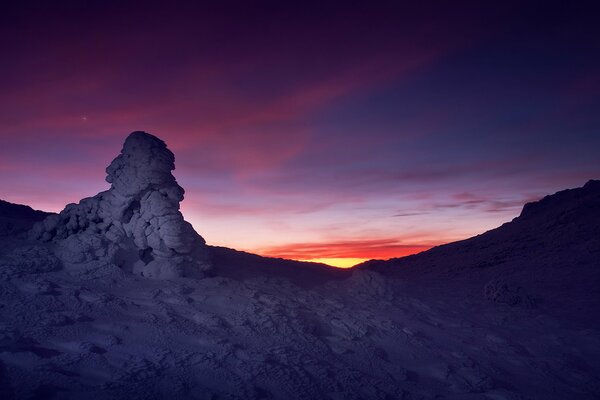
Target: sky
[{"x": 327, "y": 132}]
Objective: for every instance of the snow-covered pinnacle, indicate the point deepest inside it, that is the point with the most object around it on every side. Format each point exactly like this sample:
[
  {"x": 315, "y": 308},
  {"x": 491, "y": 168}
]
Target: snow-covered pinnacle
[
  {"x": 136, "y": 224},
  {"x": 144, "y": 163}
]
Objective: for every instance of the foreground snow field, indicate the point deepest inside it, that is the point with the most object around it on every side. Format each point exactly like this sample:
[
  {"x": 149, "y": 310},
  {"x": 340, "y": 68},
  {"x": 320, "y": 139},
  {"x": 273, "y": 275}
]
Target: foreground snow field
[{"x": 510, "y": 314}]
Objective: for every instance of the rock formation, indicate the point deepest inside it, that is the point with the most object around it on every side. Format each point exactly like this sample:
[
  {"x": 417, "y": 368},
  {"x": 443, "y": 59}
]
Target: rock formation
[{"x": 136, "y": 224}]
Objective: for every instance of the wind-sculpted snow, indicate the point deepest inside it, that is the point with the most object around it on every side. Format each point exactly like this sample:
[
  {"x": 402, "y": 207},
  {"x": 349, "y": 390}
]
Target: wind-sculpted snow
[
  {"x": 136, "y": 224},
  {"x": 364, "y": 337}
]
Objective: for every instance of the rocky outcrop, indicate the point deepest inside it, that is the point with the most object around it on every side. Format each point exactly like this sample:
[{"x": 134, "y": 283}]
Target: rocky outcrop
[{"x": 136, "y": 223}]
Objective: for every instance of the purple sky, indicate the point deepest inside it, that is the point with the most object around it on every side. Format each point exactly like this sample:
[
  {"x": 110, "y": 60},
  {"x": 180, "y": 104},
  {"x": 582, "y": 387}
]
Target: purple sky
[{"x": 310, "y": 132}]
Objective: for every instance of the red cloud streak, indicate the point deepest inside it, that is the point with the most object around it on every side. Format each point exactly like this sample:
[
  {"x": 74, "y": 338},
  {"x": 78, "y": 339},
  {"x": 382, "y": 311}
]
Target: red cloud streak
[{"x": 370, "y": 248}]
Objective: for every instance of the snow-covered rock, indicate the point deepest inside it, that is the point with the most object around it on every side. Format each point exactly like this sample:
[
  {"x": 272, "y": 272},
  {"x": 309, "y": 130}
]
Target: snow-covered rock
[{"x": 136, "y": 223}]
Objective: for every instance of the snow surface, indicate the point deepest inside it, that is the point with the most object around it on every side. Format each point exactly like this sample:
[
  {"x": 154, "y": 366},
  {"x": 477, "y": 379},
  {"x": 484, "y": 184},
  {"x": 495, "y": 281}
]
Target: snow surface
[{"x": 510, "y": 314}]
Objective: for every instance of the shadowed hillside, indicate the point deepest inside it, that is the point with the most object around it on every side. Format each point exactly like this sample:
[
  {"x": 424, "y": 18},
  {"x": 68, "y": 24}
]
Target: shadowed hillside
[
  {"x": 17, "y": 218},
  {"x": 552, "y": 249}
]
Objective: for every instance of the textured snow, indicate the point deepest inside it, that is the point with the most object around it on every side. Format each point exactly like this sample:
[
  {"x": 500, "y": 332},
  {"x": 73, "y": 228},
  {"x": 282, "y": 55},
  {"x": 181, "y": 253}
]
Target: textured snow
[{"x": 510, "y": 314}]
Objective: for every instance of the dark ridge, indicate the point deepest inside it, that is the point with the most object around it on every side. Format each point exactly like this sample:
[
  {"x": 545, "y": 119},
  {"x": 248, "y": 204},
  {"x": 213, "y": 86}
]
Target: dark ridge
[
  {"x": 566, "y": 218},
  {"x": 565, "y": 201},
  {"x": 18, "y": 218},
  {"x": 241, "y": 265}
]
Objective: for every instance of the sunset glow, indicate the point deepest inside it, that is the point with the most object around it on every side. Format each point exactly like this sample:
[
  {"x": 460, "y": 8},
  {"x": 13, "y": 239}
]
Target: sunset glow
[
  {"x": 338, "y": 262},
  {"x": 293, "y": 128}
]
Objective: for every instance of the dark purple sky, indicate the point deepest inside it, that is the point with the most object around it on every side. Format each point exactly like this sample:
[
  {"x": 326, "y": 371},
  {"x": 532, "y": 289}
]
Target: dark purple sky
[{"x": 348, "y": 130}]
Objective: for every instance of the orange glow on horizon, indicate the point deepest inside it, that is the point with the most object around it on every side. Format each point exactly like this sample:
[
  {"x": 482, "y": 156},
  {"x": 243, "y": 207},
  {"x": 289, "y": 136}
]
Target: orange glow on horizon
[
  {"x": 338, "y": 262},
  {"x": 344, "y": 254}
]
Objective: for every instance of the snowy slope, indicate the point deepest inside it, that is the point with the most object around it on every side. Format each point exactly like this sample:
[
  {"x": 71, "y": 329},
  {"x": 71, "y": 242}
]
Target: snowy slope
[{"x": 551, "y": 252}]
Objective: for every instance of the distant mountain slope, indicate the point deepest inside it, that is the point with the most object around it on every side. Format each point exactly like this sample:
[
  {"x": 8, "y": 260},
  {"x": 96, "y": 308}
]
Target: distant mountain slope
[
  {"x": 552, "y": 248},
  {"x": 240, "y": 265},
  {"x": 17, "y": 218}
]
